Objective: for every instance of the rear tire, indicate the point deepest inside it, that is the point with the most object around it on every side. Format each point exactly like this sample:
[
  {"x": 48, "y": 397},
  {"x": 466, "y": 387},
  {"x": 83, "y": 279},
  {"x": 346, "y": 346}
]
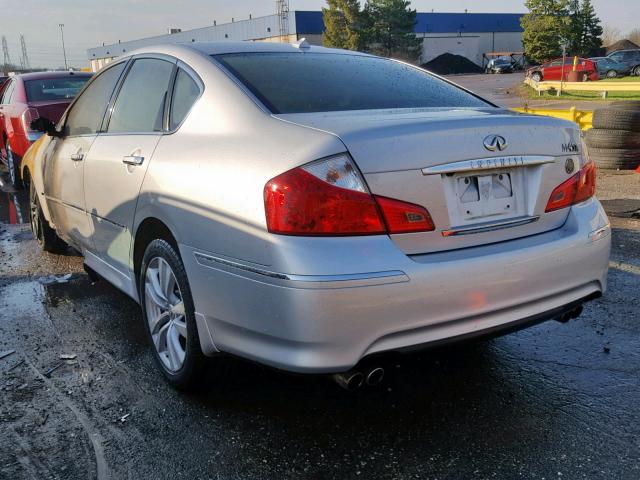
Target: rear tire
[
  {"x": 604, "y": 138},
  {"x": 14, "y": 173},
  {"x": 625, "y": 105},
  {"x": 616, "y": 119},
  {"x": 536, "y": 76},
  {"x": 46, "y": 236},
  {"x": 611, "y": 74},
  {"x": 169, "y": 316},
  {"x": 636, "y": 71},
  {"x": 615, "y": 158}
]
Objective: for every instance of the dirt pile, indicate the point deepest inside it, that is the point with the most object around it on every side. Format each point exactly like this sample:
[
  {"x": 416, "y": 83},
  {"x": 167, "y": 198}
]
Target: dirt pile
[
  {"x": 621, "y": 45},
  {"x": 448, "y": 63}
]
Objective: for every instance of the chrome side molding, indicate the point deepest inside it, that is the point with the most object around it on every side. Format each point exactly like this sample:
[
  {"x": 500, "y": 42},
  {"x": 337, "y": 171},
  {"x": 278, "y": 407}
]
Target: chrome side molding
[
  {"x": 306, "y": 281},
  {"x": 488, "y": 164}
]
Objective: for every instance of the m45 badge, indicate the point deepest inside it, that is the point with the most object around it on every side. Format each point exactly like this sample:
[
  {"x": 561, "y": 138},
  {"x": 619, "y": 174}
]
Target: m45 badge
[{"x": 569, "y": 148}]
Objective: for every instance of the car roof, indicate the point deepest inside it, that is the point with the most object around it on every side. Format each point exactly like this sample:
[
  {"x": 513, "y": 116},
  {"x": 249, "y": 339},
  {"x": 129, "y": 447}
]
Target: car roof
[
  {"x": 44, "y": 75},
  {"x": 220, "y": 48}
]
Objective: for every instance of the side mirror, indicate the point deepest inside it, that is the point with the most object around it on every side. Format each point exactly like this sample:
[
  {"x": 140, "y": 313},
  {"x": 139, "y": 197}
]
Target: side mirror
[{"x": 45, "y": 125}]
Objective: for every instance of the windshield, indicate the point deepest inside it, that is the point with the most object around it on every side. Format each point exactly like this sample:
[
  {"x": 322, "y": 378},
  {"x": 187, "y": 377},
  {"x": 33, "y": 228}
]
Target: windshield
[
  {"x": 325, "y": 82},
  {"x": 54, "y": 88}
]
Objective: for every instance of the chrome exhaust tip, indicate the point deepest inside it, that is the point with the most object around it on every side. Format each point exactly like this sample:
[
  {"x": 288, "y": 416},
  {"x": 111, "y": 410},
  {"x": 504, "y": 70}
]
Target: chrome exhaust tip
[
  {"x": 375, "y": 376},
  {"x": 351, "y": 380}
]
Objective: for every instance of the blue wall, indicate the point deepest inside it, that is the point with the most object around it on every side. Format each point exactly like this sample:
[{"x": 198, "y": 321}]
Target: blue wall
[{"x": 311, "y": 22}]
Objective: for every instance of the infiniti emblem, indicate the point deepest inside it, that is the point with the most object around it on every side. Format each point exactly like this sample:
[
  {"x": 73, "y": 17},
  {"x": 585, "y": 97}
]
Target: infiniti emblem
[{"x": 495, "y": 142}]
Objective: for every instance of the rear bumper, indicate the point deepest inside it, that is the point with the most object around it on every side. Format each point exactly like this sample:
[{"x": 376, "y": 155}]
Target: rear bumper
[{"x": 328, "y": 323}]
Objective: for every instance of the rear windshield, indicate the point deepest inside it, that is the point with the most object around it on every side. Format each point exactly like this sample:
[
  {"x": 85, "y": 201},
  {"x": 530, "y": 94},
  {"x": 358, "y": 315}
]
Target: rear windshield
[
  {"x": 325, "y": 82},
  {"x": 54, "y": 88}
]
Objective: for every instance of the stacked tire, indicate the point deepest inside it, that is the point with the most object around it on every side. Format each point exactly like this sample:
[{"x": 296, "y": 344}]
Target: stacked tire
[{"x": 614, "y": 140}]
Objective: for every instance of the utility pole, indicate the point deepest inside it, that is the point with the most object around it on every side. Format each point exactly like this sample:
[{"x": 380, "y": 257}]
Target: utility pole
[
  {"x": 25, "y": 57},
  {"x": 5, "y": 51},
  {"x": 64, "y": 52}
]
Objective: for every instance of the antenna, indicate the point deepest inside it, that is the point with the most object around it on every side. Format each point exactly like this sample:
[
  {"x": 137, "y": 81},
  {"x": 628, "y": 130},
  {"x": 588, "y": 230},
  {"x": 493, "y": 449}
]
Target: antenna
[
  {"x": 5, "y": 51},
  {"x": 25, "y": 57},
  {"x": 282, "y": 7}
]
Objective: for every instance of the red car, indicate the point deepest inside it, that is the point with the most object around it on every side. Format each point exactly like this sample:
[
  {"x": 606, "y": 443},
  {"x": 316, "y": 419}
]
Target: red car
[
  {"x": 25, "y": 98},
  {"x": 553, "y": 70}
]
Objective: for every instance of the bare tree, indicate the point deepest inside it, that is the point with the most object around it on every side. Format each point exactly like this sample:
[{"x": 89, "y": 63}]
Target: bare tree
[
  {"x": 610, "y": 35},
  {"x": 634, "y": 36}
]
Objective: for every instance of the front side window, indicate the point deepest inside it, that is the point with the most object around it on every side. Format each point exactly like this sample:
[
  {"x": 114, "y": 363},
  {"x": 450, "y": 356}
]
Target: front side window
[
  {"x": 52, "y": 89},
  {"x": 139, "y": 107},
  {"x": 325, "y": 82},
  {"x": 185, "y": 93},
  {"x": 87, "y": 112}
]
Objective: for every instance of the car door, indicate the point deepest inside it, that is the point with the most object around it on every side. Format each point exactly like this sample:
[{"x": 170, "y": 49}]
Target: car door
[
  {"x": 5, "y": 113},
  {"x": 552, "y": 71},
  {"x": 121, "y": 155},
  {"x": 65, "y": 158}
]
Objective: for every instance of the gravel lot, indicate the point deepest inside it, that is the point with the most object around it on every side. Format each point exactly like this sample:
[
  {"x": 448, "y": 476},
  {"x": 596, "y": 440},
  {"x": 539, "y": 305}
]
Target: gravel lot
[{"x": 554, "y": 401}]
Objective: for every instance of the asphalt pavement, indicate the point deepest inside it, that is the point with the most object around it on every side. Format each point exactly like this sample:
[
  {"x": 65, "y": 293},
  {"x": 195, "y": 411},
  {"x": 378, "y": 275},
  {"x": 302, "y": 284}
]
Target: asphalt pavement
[
  {"x": 503, "y": 91},
  {"x": 554, "y": 401}
]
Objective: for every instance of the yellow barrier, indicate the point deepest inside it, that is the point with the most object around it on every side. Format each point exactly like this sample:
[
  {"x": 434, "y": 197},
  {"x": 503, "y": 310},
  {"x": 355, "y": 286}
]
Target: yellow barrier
[
  {"x": 602, "y": 87},
  {"x": 583, "y": 118}
]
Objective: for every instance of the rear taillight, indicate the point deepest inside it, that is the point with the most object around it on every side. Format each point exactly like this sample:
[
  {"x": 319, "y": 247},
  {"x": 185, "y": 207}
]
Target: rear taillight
[
  {"x": 28, "y": 116},
  {"x": 576, "y": 189},
  {"x": 329, "y": 197}
]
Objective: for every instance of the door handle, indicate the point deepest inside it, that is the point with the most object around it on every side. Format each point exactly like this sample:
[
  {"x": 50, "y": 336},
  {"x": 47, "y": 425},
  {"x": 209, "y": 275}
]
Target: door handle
[
  {"x": 133, "y": 159},
  {"x": 77, "y": 157}
]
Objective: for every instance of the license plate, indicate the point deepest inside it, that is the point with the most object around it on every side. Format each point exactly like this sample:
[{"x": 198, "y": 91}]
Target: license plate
[{"x": 485, "y": 195}]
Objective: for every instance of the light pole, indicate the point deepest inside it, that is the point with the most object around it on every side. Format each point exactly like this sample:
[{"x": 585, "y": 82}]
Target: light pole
[{"x": 64, "y": 52}]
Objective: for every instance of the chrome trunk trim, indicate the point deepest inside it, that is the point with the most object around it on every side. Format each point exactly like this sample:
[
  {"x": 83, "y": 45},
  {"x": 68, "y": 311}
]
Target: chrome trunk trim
[
  {"x": 516, "y": 222},
  {"x": 491, "y": 163}
]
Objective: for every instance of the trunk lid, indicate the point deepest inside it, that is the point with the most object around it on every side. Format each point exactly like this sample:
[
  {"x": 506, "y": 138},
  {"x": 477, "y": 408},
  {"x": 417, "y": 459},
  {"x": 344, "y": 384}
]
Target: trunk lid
[{"x": 437, "y": 158}]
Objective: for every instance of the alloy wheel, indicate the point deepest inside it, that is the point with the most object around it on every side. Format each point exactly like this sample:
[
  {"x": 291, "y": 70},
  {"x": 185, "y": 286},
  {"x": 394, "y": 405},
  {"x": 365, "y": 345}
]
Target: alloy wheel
[
  {"x": 34, "y": 215},
  {"x": 165, "y": 314},
  {"x": 612, "y": 74}
]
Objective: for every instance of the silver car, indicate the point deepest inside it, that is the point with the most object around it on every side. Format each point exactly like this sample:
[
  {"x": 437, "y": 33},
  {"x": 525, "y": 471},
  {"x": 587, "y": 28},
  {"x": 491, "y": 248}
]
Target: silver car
[{"x": 306, "y": 207}]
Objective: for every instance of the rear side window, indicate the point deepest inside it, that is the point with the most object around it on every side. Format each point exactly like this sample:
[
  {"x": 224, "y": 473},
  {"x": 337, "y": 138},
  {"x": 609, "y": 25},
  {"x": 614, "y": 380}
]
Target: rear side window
[
  {"x": 52, "y": 89},
  {"x": 324, "y": 82},
  {"x": 139, "y": 107},
  {"x": 6, "y": 97},
  {"x": 87, "y": 112},
  {"x": 185, "y": 93}
]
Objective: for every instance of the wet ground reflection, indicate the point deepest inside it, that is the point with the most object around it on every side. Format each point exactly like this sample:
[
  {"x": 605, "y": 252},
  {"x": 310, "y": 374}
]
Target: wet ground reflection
[{"x": 14, "y": 204}]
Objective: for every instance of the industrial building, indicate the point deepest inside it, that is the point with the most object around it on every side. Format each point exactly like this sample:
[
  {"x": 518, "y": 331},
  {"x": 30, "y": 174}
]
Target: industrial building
[{"x": 471, "y": 35}]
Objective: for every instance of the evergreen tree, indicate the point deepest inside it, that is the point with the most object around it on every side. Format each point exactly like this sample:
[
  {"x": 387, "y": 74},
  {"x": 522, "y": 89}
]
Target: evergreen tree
[
  {"x": 575, "y": 28},
  {"x": 545, "y": 28},
  {"x": 591, "y": 31},
  {"x": 341, "y": 20},
  {"x": 388, "y": 29}
]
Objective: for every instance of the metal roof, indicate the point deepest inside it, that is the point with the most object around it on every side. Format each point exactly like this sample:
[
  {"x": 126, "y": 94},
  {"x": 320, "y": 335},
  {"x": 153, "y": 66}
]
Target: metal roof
[{"x": 310, "y": 22}]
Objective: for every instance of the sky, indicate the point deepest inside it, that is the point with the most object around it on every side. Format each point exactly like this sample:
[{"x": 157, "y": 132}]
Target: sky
[{"x": 89, "y": 23}]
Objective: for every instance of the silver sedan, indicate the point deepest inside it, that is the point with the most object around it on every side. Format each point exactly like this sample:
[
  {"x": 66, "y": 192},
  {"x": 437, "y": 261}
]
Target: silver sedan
[{"x": 306, "y": 207}]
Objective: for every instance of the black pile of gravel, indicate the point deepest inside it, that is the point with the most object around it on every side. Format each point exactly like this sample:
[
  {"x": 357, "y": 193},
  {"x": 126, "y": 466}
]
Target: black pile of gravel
[
  {"x": 621, "y": 45},
  {"x": 448, "y": 63}
]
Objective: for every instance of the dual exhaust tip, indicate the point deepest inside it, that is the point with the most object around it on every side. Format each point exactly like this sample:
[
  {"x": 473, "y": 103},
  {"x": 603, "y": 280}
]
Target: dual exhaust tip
[
  {"x": 571, "y": 314},
  {"x": 356, "y": 379}
]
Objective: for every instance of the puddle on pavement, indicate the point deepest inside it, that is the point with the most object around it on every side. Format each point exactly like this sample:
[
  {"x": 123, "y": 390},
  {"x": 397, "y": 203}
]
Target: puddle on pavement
[
  {"x": 622, "y": 207},
  {"x": 14, "y": 206}
]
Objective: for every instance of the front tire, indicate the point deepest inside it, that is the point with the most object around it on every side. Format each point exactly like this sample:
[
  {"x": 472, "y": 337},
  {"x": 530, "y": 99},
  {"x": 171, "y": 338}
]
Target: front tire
[
  {"x": 14, "y": 174},
  {"x": 169, "y": 315},
  {"x": 612, "y": 74},
  {"x": 536, "y": 76},
  {"x": 46, "y": 236},
  {"x": 636, "y": 71}
]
